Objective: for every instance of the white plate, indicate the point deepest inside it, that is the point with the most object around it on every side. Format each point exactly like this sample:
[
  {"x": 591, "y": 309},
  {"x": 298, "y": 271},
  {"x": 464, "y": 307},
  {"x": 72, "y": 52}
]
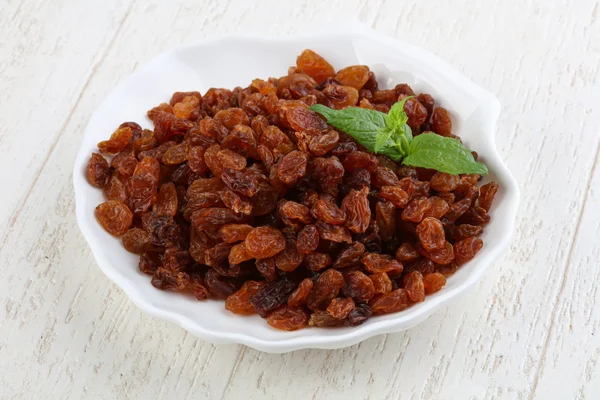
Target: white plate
[{"x": 233, "y": 61}]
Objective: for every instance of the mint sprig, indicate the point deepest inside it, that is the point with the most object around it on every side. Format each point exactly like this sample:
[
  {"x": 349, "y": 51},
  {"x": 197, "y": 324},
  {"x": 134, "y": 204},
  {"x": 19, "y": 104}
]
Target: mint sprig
[{"x": 390, "y": 135}]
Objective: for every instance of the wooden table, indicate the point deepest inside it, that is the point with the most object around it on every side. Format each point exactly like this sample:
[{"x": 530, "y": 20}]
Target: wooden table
[{"x": 529, "y": 330}]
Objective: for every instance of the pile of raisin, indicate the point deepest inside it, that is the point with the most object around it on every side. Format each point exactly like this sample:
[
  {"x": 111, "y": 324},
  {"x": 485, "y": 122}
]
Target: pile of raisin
[{"x": 248, "y": 196}]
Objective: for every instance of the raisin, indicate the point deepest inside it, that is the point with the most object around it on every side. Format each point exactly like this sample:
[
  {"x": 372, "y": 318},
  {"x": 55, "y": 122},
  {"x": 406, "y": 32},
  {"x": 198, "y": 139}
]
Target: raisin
[
  {"x": 166, "y": 201},
  {"x": 114, "y": 216},
  {"x": 466, "y": 249},
  {"x": 299, "y": 296},
  {"x": 149, "y": 262},
  {"x": 242, "y": 140},
  {"x": 395, "y": 301},
  {"x": 444, "y": 255},
  {"x": 381, "y": 283},
  {"x": 264, "y": 200},
  {"x": 384, "y": 176},
  {"x": 271, "y": 296},
  {"x": 325, "y": 289},
  {"x": 288, "y": 318},
  {"x": 416, "y": 209},
  {"x": 267, "y": 268},
  {"x": 323, "y": 319},
  {"x": 317, "y": 261},
  {"x": 164, "y": 279},
  {"x": 385, "y": 216},
  {"x": 427, "y": 101},
  {"x": 359, "y": 159},
  {"x": 117, "y": 142},
  {"x": 334, "y": 233},
  {"x": 124, "y": 163},
  {"x": 236, "y": 202},
  {"x": 441, "y": 122},
  {"x": 212, "y": 218},
  {"x": 413, "y": 283},
  {"x": 340, "y": 307},
  {"x": 98, "y": 171},
  {"x": 350, "y": 255},
  {"x": 416, "y": 112},
  {"x": 321, "y": 144},
  {"x": 290, "y": 258},
  {"x": 292, "y": 212},
  {"x": 136, "y": 240},
  {"x": 292, "y": 167},
  {"x": 433, "y": 282},
  {"x": 238, "y": 254},
  {"x": 359, "y": 286},
  {"x": 355, "y": 76},
  {"x": 327, "y": 211},
  {"x": 232, "y": 233},
  {"x": 360, "y": 314},
  {"x": 375, "y": 263},
  {"x": 443, "y": 182},
  {"x": 308, "y": 239},
  {"x": 219, "y": 287},
  {"x": 439, "y": 208},
  {"x": 464, "y": 231},
  {"x": 475, "y": 216},
  {"x": 232, "y": 160},
  {"x": 406, "y": 252},
  {"x": 341, "y": 96},
  {"x": 424, "y": 266},
  {"x": 356, "y": 207},
  {"x": 264, "y": 242},
  {"x": 431, "y": 234},
  {"x": 486, "y": 195},
  {"x": 327, "y": 171},
  {"x": 239, "y": 302},
  {"x": 302, "y": 119},
  {"x": 314, "y": 66},
  {"x": 358, "y": 179}
]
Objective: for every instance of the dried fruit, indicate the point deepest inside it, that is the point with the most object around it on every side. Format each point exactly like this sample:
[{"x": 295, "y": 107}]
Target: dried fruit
[
  {"x": 356, "y": 207},
  {"x": 375, "y": 263},
  {"x": 431, "y": 234},
  {"x": 466, "y": 249},
  {"x": 389, "y": 303},
  {"x": 340, "y": 307},
  {"x": 325, "y": 289},
  {"x": 359, "y": 286},
  {"x": 441, "y": 122},
  {"x": 308, "y": 239},
  {"x": 288, "y": 318},
  {"x": 433, "y": 282},
  {"x": 114, "y": 216},
  {"x": 239, "y": 302},
  {"x": 292, "y": 167},
  {"x": 272, "y": 296},
  {"x": 314, "y": 66},
  {"x": 486, "y": 195},
  {"x": 413, "y": 283},
  {"x": 136, "y": 240},
  {"x": 264, "y": 242}
]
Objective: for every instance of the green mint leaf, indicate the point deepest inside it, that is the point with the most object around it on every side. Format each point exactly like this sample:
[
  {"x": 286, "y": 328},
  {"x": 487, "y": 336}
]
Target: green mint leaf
[
  {"x": 397, "y": 115},
  {"x": 360, "y": 123},
  {"x": 443, "y": 154},
  {"x": 382, "y": 139},
  {"x": 408, "y": 133}
]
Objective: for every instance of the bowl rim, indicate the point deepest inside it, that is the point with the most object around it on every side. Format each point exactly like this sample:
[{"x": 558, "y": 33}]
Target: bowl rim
[{"x": 347, "y": 338}]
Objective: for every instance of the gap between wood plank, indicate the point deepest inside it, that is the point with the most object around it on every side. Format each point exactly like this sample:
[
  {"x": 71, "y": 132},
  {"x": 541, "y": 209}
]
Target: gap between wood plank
[{"x": 570, "y": 256}]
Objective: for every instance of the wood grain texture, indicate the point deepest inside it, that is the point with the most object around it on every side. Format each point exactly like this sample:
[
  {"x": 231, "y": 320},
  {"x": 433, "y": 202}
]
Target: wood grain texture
[{"x": 529, "y": 330}]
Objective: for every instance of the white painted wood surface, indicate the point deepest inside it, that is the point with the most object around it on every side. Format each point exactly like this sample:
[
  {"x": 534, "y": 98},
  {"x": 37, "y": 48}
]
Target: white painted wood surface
[{"x": 529, "y": 330}]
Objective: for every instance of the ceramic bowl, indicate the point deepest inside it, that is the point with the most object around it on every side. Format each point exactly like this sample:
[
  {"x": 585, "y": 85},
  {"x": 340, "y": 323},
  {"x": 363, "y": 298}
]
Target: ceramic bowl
[{"x": 235, "y": 61}]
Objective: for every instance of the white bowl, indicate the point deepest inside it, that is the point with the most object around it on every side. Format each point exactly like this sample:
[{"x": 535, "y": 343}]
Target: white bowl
[{"x": 232, "y": 61}]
